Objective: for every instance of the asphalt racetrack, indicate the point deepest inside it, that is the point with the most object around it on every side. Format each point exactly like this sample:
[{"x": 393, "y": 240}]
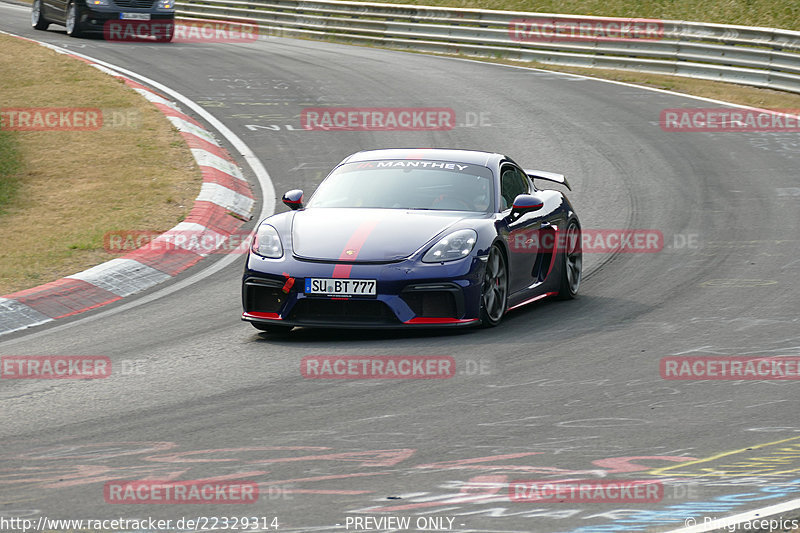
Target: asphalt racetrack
[{"x": 560, "y": 390}]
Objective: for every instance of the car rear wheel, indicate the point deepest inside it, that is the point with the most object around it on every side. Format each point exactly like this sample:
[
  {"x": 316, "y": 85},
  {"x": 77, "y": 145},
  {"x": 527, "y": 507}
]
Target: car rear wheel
[
  {"x": 37, "y": 16},
  {"x": 494, "y": 292},
  {"x": 572, "y": 263},
  {"x": 73, "y": 22}
]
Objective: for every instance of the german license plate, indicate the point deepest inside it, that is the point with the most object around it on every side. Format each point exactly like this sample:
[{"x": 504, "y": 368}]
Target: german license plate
[
  {"x": 134, "y": 16},
  {"x": 341, "y": 287}
]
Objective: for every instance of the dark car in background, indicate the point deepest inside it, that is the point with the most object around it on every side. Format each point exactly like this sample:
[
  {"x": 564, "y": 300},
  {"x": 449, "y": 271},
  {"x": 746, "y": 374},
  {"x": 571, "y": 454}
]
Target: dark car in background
[{"x": 125, "y": 20}]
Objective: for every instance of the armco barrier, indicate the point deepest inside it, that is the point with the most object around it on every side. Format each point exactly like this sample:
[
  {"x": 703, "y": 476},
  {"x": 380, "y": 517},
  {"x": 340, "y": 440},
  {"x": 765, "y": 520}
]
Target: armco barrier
[{"x": 761, "y": 57}]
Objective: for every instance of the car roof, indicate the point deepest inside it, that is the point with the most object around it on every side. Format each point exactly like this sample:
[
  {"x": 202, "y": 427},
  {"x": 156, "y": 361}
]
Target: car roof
[{"x": 472, "y": 157}]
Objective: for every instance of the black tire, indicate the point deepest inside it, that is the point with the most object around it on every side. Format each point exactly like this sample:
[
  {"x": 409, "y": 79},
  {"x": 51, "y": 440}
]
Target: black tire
[
  {"x": 571, "y": 262},
  {"x": 271, "y": 329},
  {"x": 73, "y": 20},
  {"x": 494, "y": 290},
  {"x": 37, "y": 16}
]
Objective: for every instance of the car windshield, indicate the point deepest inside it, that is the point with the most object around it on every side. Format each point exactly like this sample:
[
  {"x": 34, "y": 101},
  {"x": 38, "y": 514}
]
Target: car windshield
[{"x": 407, "y": 184}]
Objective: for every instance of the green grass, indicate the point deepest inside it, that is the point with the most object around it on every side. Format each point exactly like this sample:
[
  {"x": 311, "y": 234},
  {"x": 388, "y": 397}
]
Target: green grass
[
  {"x": 56, "y": 207},
  {"x": 772, "y": 13},
  {"x": 10, "y": 164}
]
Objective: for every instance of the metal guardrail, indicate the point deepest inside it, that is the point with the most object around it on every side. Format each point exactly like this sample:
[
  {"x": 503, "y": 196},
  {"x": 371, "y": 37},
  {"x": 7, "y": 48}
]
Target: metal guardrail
[{"x": 761, "y": 57}]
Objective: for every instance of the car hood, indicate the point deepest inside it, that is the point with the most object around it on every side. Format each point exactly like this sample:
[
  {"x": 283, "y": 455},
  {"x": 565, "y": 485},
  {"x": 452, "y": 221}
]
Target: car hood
[{"x": 366, "y": 235}]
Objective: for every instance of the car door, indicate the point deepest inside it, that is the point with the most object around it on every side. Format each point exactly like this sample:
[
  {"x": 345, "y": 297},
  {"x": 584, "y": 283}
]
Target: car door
[{"x": 523, "y": 233}]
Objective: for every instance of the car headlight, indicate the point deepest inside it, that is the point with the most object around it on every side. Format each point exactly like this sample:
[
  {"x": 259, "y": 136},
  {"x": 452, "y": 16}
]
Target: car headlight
[
  {"x": 165, "y": 4},
  {"x": 267, "y": 242},
  {"x": 93, "y": 3},
  {"x": 451, "y": 247}
]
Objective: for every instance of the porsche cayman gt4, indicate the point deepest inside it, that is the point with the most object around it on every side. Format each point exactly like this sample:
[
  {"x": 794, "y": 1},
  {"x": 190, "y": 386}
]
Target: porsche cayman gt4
[{"x": 413, "y": 238}]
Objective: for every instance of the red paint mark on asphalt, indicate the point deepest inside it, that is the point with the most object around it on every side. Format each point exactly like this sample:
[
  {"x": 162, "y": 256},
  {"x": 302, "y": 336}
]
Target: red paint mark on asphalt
[
  {"x": 624, "y": 464},
  {"x": 181, "y": 457}
]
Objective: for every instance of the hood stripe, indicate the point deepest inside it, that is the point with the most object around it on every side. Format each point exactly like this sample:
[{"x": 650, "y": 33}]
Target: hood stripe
[{"x": 355, "y": 242}]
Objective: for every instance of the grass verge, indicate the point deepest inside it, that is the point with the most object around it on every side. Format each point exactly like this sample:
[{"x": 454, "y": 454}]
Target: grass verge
[
  {"x": 768, "y": 13},
  {"x": 71, "y": 187},
  {"x": 9, "y": 168}
]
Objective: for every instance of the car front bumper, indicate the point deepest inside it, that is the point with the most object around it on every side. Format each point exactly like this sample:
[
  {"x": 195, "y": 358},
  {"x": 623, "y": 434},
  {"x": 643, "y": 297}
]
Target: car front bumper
[
  {"x": 108, "y": 21},
  {"x": 409, "y": 294}
]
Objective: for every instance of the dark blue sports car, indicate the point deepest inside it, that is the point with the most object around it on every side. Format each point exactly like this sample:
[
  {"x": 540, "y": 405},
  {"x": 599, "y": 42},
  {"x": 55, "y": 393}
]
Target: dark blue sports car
[{"x": 413, "y": 238}]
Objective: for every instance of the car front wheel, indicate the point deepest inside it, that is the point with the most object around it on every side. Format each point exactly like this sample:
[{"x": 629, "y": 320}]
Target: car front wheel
[
  {"x": 73, "y": 22},
  {"x": 572, "y": 263},
  {"x": 494, "y": 292},
  {"x": 37, "y": 16}
]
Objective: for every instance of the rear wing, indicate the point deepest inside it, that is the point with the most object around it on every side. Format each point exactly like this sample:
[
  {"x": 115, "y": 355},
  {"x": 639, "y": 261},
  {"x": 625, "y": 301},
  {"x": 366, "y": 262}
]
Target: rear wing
[{"x": 549, "y": 176}]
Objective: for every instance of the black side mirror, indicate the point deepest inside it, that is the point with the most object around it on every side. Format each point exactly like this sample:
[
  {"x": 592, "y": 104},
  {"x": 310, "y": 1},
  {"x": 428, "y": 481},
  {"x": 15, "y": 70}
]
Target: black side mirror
[
  {"x": 526, "y": 203},
  {"x": 293, "y": 199}
]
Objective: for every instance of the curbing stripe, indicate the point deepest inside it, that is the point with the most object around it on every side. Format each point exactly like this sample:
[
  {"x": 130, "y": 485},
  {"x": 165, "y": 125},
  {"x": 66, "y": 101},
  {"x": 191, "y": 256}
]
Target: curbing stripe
[
  {"x": 184, "y": 117},
  {"x": 205, "y": 158},
  {"x": 122, "y": 276},
  {"x": 168, "y": 110},
  {"x": 196, "y": 142},
  {"x": 191, "y": 237},
  {"x": 215, "y": 218},
  {"x": 167, "y": 261},
  {"x": 152, "y": 97},
  {"x": 211, "y": 175},
  {"x": 222, "y": 196},
  {"x": 64, "y": 297},
  {"x": 15, "y": 315},
  {"x": 188, "y": 127}
]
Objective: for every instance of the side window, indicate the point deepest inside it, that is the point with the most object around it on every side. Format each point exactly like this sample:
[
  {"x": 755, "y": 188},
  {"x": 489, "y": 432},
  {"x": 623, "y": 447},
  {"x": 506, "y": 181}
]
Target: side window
[{"x": 512, "y": 183}]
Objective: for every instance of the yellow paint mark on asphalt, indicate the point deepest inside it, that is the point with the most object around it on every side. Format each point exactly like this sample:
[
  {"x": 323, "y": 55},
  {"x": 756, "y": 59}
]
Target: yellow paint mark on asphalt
[{"x": 774, "y": 459}]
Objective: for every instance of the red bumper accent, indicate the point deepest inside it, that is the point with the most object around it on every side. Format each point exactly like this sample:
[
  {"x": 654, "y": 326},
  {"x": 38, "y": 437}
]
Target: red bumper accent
[
  {"x": 534, "y": 299},
  {"x": 437, "y": 320},
  {"x": 267, "y": 316}
]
